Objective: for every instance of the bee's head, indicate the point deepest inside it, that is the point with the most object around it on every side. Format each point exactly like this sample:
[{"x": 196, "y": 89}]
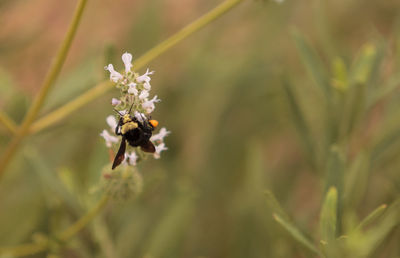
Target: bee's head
[
  {"x": 153, "y": 123},
  {"x": 126, "y": 118}
]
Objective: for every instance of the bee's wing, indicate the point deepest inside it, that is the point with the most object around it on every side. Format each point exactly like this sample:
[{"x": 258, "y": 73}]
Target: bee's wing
[
  {"x": 120, "y": 154},
  {"x": 148, "y": 147}
]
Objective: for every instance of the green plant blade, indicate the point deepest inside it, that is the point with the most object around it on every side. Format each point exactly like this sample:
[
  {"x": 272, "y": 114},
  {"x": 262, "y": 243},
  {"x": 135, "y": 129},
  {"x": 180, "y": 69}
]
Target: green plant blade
[
  {"x": 354, "y": 107},
  {"x": 328, "y": 218},
  {"x": 363, "y": 66},
  {"x": 50, "y": 181},
  {"x": 274, "y": 205},
  {"x": 372, "y": 217},
  {"x": 312, "y": 63},
  {"x": 296, "y": 234},
  {"x": 334, "y": 181},
  {"x": 356, "y": 180},
  {"x": 340, "y": 78},
  {"x": 300, "y": 122},
  {"x": 363, "y": 245}
]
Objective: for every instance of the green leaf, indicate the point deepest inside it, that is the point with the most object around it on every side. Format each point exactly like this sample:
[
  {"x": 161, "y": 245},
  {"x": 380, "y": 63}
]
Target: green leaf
[
  {"x": 362, "y": 68},
  {"x": 313, "y": 63},
  {"x": 300, "y": 122},
  {"x": 328, "y": 218},
  {"x": 363, "y": 245},
  {"x": 340, "y": 77},
  {"x": 50, "y": 180},
  {"x": 372, "y": 217},
  {"x": 274, "y": 205},
  {"x": 334, "y": 175},
  {"x": 354, "y": 108},
  {"x": 356, "y": 180},
  {"x": 296, "y": 234}
]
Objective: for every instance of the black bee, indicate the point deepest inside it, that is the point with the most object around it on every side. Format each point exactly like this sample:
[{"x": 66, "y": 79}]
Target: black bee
[{"x": 136, "y": 132}]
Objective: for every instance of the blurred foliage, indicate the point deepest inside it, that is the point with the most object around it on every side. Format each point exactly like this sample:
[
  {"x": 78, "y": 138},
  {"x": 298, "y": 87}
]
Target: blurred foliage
[{"x": 305, "y": 120}]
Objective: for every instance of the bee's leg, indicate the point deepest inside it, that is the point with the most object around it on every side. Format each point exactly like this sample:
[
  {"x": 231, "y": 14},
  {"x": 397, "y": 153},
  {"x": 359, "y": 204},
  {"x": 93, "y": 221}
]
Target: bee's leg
[{"x": 117, "y": 131}]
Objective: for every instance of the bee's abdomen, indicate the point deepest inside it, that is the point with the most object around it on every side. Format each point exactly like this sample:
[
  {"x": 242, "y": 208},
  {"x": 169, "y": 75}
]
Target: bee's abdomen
[{"x": 137, "y": 137}]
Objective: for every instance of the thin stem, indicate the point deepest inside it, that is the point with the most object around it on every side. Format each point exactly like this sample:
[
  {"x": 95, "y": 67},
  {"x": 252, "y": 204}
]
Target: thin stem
[
  {"x": 23, "y": 250},
  {"x": 30, "y": 249},
  {"x": 7, "y": 122},
  {"x": 44, "y": 90},
  {"x": 103, "y": 87},
  {"x": 70, "y": 107},
  {"x": 83, "y": 221},
  {"x": 186, "y": 31}
]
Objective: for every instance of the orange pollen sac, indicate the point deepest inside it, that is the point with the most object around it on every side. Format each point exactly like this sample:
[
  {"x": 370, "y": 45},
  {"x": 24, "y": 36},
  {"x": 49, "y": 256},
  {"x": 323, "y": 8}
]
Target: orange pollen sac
[{"x": 154, "y": 123}]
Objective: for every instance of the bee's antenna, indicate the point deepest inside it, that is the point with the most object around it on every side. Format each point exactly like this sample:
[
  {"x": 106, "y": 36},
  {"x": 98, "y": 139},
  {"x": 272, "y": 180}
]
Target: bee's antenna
[
  {"x": 118, "y": 112},
  {"x": 130, "y": 109}
]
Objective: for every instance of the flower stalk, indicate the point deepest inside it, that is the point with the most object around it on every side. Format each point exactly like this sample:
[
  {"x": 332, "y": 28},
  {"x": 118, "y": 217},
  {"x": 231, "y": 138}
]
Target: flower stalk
[
  {"x": 49, "y": 81},
  {"x": 8, "y": 123}
]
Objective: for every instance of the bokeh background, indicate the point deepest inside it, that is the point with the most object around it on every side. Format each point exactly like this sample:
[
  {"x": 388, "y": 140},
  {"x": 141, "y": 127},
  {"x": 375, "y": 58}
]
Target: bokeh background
[{"x": 234, "y": 130}]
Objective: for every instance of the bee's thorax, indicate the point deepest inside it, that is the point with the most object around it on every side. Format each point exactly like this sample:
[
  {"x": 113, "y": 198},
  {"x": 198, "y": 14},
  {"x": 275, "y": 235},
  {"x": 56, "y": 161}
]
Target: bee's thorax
[{"x": 128, "y": 126}]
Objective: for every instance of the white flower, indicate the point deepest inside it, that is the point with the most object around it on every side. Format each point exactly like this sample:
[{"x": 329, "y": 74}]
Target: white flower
[
  {"x": 115, "y": 101},
  {"x": 145, "y": 77},
  {"x": 109, "y": 138},
  {"x": 159, "y": 148},
  {"x": 160, "y": 136},
  {"x": 146, "y": 86},
  {"x": 144, "y": 94},
  {"x": 149, "y": 106},
  {"x": 139, "y": 116},
  {"x": 132, "y": 158},
  {"x": 114, "y": 75},
  {"x": 127, "y": 59},
  {"x": 132, "y": 89},
  {"x": 112, "y": 122}
]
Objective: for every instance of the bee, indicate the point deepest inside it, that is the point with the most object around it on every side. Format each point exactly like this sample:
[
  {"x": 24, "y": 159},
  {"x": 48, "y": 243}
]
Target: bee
[{"x": 136, "y": 132}]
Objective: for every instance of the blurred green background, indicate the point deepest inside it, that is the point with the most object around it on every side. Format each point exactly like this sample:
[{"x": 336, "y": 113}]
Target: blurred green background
[{"x": 292, "y": 98}]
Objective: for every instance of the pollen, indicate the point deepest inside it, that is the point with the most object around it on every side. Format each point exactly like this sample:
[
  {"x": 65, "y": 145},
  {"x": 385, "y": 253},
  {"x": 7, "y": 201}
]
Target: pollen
[
  {"x": 126, "y": 118},
  {"x": 128, "y": 126},
  {"x": 154, "y": 123}
]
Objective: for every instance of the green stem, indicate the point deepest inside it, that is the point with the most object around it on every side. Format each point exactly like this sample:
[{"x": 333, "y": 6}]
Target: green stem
[
  {"x": 185, "y": 32},
  {"x": 23, "y": 250},
  {"x": 83, "y": 221},
  {"x": 7, "y": 122},
  {"x": 71, "y": 106},
  {"x": 50, "y": 78},
  {"x": 104, "y": 86},
  {"x": 30, "y": 249}
]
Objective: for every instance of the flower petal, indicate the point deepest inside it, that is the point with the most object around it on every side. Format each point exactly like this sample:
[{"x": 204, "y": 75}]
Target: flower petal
[
  {"x": 114, "y": 75},
  {"x": 159, "y": 148},
  {"x": 115, "y": 101},
  {"x": 160, "y": 136},
  {"x": 109, "y": 138},
  {"x": 127, "y": 59},
  {"x": 112, "y": 122}
]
